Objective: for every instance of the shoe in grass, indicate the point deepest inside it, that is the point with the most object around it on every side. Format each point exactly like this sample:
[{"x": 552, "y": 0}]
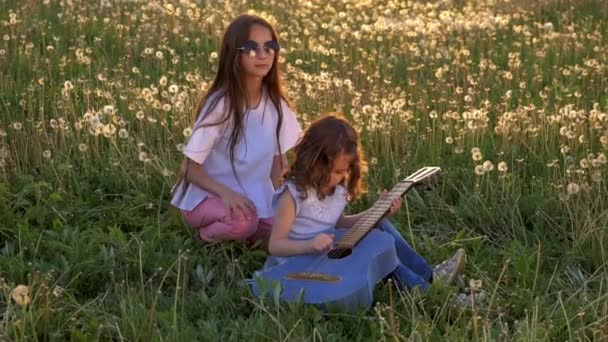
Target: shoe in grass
[{"x": 448, "y": 270}]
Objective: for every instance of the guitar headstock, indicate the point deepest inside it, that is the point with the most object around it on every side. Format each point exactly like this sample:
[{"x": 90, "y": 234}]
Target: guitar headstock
[{"x": 424, "y": 176}]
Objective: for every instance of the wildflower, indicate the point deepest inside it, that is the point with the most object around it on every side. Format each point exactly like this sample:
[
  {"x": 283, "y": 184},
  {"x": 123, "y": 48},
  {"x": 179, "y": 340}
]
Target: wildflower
[
  {"x": 46, "y": 154},
  {"x": 163, "y": 81},
  {"x": 479, "y": 170},
  {"x": 143, "y": 157},
  {"x": 502, "y": 166},
  {"x": 488, "y": 166},
  {"x": 108, "y": 110},
  {"x": 58, "y": 291},
  {"x": 123, "y": 133},
  {"x": 477, "y": 156},
  {"x": 187, "y": 132},
  {"x": 475, "y": 284},
  {"x": 21, "y": 295},
  {"x": 82, "y": 147},
  {"x": 573, "y": 188},
  {"x": 108, "y": 130}
]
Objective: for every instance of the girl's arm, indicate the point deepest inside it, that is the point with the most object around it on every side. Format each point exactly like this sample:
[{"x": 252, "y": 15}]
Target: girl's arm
[
  {"x": 285, "y": 215},
  {"x": 280, "y": 244},
  {"x": 348, "y": 221},
  {"x": 277, "y": 170},
  {"x": 197, "y": 175}
]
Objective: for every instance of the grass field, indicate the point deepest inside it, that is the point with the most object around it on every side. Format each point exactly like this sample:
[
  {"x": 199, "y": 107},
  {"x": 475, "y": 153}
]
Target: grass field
[{"x": 510, "y": 98}]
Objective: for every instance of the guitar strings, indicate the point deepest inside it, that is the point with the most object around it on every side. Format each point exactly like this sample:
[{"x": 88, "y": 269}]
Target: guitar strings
[
  {"x": 361, "y": 227},
  {"x": 373, "y": 216}
]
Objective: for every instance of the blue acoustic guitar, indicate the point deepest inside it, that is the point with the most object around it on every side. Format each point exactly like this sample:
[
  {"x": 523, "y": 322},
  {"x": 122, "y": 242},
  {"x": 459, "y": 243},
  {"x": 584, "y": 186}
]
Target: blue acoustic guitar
[{"x": 343, "y": 278}]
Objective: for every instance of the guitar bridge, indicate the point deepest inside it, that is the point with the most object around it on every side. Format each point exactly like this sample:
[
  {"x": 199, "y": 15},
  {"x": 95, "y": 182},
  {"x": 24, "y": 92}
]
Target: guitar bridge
[{"x": 313, "y": 276}]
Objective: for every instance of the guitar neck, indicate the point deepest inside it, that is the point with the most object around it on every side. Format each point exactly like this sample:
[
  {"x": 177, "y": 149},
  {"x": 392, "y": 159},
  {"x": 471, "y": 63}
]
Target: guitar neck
[{"x": 373, "y": 215}]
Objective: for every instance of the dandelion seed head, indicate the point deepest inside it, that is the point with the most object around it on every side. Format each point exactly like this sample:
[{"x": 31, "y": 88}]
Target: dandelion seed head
[
  {"x": 21, "y": 295},
  {"x": 123, "y": 133},
  {"x": 488, "y": 165},
  {"x": 573, "y": 188},
  {"x": 502, "y": 166}
]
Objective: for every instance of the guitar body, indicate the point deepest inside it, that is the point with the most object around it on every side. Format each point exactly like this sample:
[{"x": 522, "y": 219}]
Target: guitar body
[
  {"x": 353, "y": 277},
  {"x": 345, "y": 277}
]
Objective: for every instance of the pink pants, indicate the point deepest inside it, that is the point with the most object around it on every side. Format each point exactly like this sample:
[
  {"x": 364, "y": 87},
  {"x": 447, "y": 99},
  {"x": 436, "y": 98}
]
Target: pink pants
[{"x": 215, "y": 222}]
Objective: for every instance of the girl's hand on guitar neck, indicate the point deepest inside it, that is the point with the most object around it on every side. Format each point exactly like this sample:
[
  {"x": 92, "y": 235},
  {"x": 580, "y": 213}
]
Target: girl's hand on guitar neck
[
  {"x": 395, "y": 205},
  {"x": 322, "y": 242}
]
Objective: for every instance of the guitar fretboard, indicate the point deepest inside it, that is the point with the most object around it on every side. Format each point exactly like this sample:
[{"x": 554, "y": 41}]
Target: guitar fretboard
[{"x": 373, "y": 216}]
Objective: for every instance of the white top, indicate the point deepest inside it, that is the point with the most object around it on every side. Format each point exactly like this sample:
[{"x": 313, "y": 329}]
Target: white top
[
  {"x": 314, "y": 215},
  {"x": 254, "y": 153}
]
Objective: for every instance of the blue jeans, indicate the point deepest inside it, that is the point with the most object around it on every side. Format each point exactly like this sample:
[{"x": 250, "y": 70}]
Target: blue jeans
[{"x": 412, "y": 269}]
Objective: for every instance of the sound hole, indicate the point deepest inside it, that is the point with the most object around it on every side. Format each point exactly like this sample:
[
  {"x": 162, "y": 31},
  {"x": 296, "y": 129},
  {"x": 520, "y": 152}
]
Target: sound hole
[{"x": 339, "y": 253}]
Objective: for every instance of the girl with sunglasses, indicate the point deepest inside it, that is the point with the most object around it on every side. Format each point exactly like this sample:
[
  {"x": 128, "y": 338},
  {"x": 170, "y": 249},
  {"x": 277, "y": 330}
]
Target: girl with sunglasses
[{"x": 235, "y": 157}]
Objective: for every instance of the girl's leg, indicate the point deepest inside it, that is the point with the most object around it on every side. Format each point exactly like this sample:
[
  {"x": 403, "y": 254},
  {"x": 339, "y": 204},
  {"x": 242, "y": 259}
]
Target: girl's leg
[
  {"x": 409, "y": 279},
  {"x": 262, "y": 234},
  {"x": 215, "y": 223},
  {"x": 407, "y": 256}
]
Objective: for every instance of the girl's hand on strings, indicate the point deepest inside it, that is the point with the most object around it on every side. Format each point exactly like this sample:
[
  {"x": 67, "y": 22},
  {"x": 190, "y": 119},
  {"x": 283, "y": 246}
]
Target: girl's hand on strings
[
  {"x": 238, "y": 204},
  {"x": 395, "y": 204},
  {"x": 322, "y": 242}
]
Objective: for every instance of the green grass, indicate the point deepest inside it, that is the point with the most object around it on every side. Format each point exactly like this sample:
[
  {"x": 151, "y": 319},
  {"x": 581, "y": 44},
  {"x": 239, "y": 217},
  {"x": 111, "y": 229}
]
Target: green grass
[{"x": 85, "y": 220}]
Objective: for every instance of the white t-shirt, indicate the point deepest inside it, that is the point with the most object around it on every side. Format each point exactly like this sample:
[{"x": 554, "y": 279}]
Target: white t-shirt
[
  {"x": 254, "y": 153},
  {"x": 313, "y": 215}
]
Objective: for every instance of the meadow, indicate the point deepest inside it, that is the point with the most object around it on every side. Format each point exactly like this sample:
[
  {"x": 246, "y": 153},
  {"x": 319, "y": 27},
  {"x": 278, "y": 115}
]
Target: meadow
[{"x": 509, "y": 98}]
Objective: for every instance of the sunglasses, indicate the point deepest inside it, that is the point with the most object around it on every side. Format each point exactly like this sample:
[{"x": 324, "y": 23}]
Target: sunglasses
[{"x": 252, "y": 48}]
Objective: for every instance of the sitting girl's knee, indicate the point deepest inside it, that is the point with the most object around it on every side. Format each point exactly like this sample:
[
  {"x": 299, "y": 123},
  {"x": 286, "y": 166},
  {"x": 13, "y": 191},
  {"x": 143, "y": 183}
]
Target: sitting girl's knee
[
  {"x": 384, "y": 224},
  {"x": 243, "y": 228}
]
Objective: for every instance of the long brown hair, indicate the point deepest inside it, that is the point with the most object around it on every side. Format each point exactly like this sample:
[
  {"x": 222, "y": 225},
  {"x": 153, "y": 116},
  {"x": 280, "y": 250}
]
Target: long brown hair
[
  {"x": 324, "y": 140},
  {"x": 228, "y": 83}
]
